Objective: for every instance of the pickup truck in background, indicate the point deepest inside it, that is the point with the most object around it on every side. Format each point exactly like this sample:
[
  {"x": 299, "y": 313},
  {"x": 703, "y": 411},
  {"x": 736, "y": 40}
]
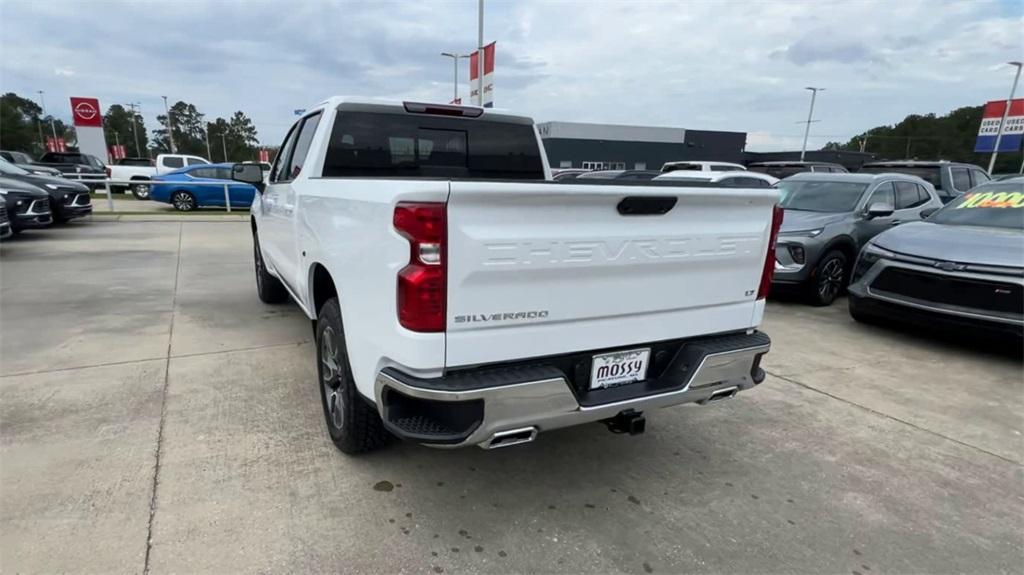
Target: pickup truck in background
[
  {"x": 459, "y": 297},
  {"x": 85, "y": 168},
  {"x": 143, "y": 170}
]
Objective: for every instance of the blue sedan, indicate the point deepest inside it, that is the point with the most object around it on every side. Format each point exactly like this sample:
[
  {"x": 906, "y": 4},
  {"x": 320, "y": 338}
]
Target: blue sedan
[{"x": 189, "y": 188}]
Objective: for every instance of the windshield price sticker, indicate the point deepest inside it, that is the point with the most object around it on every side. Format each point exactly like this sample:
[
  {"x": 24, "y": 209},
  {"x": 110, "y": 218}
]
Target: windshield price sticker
[{"x": 992, "y": 200}]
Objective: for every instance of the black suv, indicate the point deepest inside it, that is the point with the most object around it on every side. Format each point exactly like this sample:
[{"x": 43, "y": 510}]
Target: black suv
[
  {"x": 75, "y": 165},
  {"x": 68, "y": 199},
  {"x": 949, "y": 178},
  {"x": 27, "y": 205},
  {"x": 783, "y": 170}
]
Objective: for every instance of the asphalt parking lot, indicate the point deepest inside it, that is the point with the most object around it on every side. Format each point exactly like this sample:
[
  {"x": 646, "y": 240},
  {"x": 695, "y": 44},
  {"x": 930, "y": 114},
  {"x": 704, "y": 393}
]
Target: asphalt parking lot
[{"x": 156, "y": 417}]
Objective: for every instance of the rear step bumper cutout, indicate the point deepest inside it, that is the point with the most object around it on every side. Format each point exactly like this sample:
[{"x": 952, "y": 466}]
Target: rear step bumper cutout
[{"x": 511, "y": 409}]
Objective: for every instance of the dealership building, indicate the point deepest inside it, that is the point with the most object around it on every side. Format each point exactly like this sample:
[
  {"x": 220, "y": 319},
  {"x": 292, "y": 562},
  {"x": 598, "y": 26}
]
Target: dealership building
[{"x": 617, "y": 147}]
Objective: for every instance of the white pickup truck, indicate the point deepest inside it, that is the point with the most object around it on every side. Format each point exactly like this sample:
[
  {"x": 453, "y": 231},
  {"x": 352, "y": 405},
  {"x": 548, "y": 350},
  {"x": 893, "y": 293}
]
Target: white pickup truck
[
  {"x": 140, "y": 170},
  {"x": 458, "y": 298}
]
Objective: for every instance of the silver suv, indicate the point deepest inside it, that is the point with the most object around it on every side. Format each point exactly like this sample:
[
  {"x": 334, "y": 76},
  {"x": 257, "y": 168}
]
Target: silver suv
[{"x": 829, "y": 217}]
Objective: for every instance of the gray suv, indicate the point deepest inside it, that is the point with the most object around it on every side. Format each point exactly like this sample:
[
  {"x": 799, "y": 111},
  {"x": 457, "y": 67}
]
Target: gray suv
[
  {"x": 950, "y": 179},
  {"x": 829, "y": 217}
]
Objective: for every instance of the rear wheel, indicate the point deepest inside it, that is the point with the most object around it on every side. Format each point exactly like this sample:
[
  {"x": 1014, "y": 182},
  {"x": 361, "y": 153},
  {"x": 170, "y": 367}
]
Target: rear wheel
[
  {"x": 183, "y": 201},
  {"x": 353, "y": 424},
  {"x": 828, "y": 279},
  {"x": 140, "y": 191},
  {"x": 269, "y": 288}
]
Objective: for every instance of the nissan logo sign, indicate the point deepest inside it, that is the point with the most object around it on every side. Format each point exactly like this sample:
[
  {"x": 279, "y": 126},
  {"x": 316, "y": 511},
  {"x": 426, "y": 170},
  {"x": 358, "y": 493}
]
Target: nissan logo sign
[{"x": 85, "y": 111}]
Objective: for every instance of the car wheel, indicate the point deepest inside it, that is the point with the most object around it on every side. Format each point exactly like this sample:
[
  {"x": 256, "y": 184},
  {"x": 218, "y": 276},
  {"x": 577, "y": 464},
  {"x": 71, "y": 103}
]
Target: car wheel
[
  {"x": 140, "y": 191},
  {"x": 183, "y": 201},
  {"x": 828, "y": 279},
  {"x": 269, "y": 288},
  {"x": 353, "y": 424}
]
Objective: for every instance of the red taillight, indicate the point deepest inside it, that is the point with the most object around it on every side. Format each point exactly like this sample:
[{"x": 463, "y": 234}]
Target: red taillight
[
  {"x": 769, "y": 261},
  {"x": 422, "y": 285}
]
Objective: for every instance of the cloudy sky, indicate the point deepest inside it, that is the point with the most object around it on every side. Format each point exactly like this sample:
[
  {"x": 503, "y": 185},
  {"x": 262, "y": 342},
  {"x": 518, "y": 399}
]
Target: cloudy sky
[{"x": 726, "y": 65}]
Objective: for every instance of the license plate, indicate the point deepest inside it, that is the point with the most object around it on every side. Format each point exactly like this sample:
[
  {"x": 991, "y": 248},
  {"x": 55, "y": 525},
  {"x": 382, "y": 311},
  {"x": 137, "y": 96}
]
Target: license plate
[{"x": 619, "y": 368}]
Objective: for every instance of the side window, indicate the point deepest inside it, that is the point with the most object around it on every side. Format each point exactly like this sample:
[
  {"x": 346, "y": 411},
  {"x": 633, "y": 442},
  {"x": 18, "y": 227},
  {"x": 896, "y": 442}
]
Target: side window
[
  {"x": 222, "y": 173},
  {"x": 883, "y": 194},
  {"x": 302, "y": 145},
  {"x": 278, "y": 171},
  {"x": 908, "y": 195},
  {"x": 924, "y": 194},
  {"x": 173, "y": 163},
  {"x": 978, "y": 177},
  {"x": 195, "y": 161},
  {"x": 203, "y": 173},
  {"x": 961, "y": 179}
]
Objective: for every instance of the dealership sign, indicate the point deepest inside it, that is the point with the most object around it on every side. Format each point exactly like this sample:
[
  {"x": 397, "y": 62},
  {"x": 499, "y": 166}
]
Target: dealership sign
[
  {"x": 474, "y": 68},
  {"x": 1013, "y": 129},
  {"x": 86, "y": 112},
  {"x": 88, "y": 119}
]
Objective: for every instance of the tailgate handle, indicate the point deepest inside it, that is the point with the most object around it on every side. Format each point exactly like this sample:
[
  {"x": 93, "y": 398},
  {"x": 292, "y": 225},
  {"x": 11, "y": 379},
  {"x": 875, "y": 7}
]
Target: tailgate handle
[{"x": 646, "y": 205}]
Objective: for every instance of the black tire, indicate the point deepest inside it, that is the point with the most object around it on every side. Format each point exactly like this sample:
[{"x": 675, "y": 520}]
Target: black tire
[
  {"x": 828, "y": 279},
  {"x": 353, "y": 424},
  {"x": 183, "y": 201},
  {"x": 269, "y": 288},
  {"x": 140, "y": 191}
]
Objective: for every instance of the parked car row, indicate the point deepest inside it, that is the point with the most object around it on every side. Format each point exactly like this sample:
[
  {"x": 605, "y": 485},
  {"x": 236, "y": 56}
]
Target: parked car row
[
  {"x": 32, "y": 200},
  {"x": 922, "y": 241}
]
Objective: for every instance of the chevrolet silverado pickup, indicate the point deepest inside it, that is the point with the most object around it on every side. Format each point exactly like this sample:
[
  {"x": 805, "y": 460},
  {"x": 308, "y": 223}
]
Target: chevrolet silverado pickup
[{"x": 459, "y": 297}]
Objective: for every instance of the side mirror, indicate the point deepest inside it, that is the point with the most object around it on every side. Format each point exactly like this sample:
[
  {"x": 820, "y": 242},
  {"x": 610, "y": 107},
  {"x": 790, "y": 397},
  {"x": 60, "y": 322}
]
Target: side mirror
[
  {"x": 927, "y": 212},
  {"x": 879, "y": 210},
  {"x": 248, "y": 174}
]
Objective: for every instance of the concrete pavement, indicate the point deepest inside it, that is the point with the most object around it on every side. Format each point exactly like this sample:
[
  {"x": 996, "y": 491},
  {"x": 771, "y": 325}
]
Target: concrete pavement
[{"x": 156, "y": 417}]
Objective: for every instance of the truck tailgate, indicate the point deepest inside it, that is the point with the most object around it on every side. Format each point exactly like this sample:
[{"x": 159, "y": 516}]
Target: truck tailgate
[{"x": 538, "y": 269}]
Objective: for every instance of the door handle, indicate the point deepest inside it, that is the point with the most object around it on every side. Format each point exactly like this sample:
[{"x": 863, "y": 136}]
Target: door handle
[{"x": 895, "y": 223}]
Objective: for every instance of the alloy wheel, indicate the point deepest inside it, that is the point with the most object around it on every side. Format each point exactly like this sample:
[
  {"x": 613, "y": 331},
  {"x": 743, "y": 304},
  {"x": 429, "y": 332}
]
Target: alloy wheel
[
  {"x": 330, "y": 376},
  {"x": 830, "y": 281},
  {"x": 182, "y": 201}
]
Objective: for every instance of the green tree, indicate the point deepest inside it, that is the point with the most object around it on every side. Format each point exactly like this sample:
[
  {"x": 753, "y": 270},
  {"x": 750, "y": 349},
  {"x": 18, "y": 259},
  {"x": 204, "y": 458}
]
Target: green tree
[
  {"x": 20, "y": 124},
  {"x": 124, "y": 126},
  {"x": 237, "y": 136},
  {"x": 187, "y": 128},
  {"x": 930, "y": 137}
]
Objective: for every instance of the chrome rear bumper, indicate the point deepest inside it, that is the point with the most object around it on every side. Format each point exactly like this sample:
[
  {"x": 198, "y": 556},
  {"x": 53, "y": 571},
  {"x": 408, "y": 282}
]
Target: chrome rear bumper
[{"x": 548, "y": 403}]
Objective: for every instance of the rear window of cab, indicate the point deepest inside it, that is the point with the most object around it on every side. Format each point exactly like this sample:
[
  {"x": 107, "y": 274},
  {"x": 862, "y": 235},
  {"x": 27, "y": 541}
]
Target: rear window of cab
[{"x": 377, "y": 144}]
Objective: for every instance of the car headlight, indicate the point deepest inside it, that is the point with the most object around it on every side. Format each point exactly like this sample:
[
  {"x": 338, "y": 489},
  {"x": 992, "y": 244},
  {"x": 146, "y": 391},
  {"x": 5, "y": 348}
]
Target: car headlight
[
  {"x": 3, "y": 192},
  {"x": 803, "y": 233},
  {"x": 868, "y": 256}
]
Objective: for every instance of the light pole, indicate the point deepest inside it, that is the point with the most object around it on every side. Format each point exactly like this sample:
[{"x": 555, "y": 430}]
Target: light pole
[
  {"x": 810, "y": 114},
  {"x": 53, "y": 128},
  {"x": 135, "y": 135},
  {"x": 170, "y": 126},
  {"x": 455, "y": 61},
  {"x": 209, "y": 155},
  {"x": 1006, "y": 112},
  {"x": 224, "y": 146},
  {"x": 480, "y": 54}
]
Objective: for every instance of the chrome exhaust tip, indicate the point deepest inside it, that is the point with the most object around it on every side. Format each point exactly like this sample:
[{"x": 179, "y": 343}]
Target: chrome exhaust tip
[
  {"x": 718, "y": 395},
  {"x": 511, "y": 437}
]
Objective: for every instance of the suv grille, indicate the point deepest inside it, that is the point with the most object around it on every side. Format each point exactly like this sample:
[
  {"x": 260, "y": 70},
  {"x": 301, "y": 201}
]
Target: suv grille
[
  {"x": 3, "y": 212},
  {"x": 982, "y": 295}
]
